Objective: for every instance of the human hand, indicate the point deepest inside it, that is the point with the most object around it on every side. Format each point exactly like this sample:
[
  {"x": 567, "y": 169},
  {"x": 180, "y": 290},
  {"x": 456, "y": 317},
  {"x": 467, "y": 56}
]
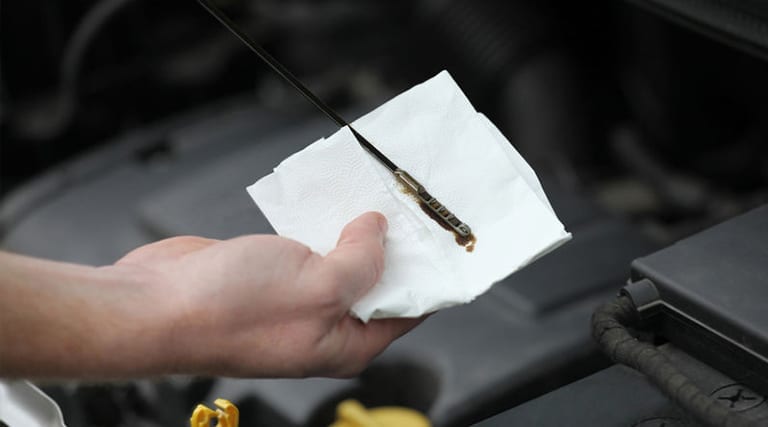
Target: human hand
[{"x": 266, "y": 306}]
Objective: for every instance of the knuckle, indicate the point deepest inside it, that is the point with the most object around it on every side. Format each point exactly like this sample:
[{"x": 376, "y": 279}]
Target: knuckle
[
  {"x": 301, "y": 258},
  {"x": 304, "y": 254},
  {"x": 329, "y": 294},
  {"x": 331, "y": 286}
]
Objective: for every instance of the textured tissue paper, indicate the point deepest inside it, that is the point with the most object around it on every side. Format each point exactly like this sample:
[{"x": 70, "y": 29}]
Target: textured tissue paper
[{"x": 433, "y": 132}]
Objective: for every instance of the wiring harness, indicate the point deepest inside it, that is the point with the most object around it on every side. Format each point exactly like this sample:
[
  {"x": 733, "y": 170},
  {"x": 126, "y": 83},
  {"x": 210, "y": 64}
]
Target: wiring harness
[{"x": 611, "y": 325}]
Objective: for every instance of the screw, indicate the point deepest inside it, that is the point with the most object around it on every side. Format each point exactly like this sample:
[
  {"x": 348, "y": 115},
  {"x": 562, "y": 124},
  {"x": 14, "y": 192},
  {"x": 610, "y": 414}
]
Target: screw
[{"x": 737, "y": 397}]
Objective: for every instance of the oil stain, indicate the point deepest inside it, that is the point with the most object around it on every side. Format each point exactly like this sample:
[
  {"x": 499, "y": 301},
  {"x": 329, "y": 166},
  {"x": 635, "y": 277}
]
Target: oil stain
[{"x": 468, "y": 242}]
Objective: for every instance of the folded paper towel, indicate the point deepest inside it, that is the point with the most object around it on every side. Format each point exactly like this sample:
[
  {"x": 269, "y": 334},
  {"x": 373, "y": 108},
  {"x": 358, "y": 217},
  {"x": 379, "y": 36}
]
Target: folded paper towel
[{"x": 433, "y": 132}]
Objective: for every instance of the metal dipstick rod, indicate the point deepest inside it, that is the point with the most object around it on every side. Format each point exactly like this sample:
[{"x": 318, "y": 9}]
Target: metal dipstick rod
[{"x": 402, "y": 176}]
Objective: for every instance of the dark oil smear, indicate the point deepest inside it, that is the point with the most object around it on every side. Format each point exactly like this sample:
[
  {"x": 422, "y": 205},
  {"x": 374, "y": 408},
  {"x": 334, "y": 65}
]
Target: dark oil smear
[{"x": 468, "y": 242}]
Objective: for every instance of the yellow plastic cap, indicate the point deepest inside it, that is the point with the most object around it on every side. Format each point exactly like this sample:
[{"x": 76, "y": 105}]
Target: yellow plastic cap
[
  {"x": 226, "y": 415},
  {"x": 350, "y": 413}
]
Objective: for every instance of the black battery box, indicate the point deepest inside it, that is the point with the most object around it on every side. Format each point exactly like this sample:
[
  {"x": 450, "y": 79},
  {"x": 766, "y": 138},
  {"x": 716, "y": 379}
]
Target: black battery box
[{"x": 708, "y": 295}]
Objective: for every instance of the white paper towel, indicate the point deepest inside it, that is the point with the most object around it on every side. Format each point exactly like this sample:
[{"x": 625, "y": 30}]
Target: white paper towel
[
  {"x": 433, "y": 132},
  {"x": 23, "y": 404}
]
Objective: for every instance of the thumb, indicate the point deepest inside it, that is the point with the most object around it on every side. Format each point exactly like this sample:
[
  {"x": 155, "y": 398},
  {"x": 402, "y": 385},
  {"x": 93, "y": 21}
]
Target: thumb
[{"x": 358, "y": 260}]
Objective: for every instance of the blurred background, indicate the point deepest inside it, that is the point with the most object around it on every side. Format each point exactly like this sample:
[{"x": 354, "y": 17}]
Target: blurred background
[{"x": 126, "y": 121}]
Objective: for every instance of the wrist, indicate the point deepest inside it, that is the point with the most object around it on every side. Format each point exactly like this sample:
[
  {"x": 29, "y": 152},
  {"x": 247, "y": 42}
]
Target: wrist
[
  {"x": 138, "y": 330},
  {"x": 64, "y": 319}
]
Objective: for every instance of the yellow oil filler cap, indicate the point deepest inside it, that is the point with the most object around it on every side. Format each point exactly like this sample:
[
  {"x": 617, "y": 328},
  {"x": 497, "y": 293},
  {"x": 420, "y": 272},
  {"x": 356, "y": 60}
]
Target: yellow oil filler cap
[
  {"x": 226, "y": 415},
  {"x": 350, "y": 413}
]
